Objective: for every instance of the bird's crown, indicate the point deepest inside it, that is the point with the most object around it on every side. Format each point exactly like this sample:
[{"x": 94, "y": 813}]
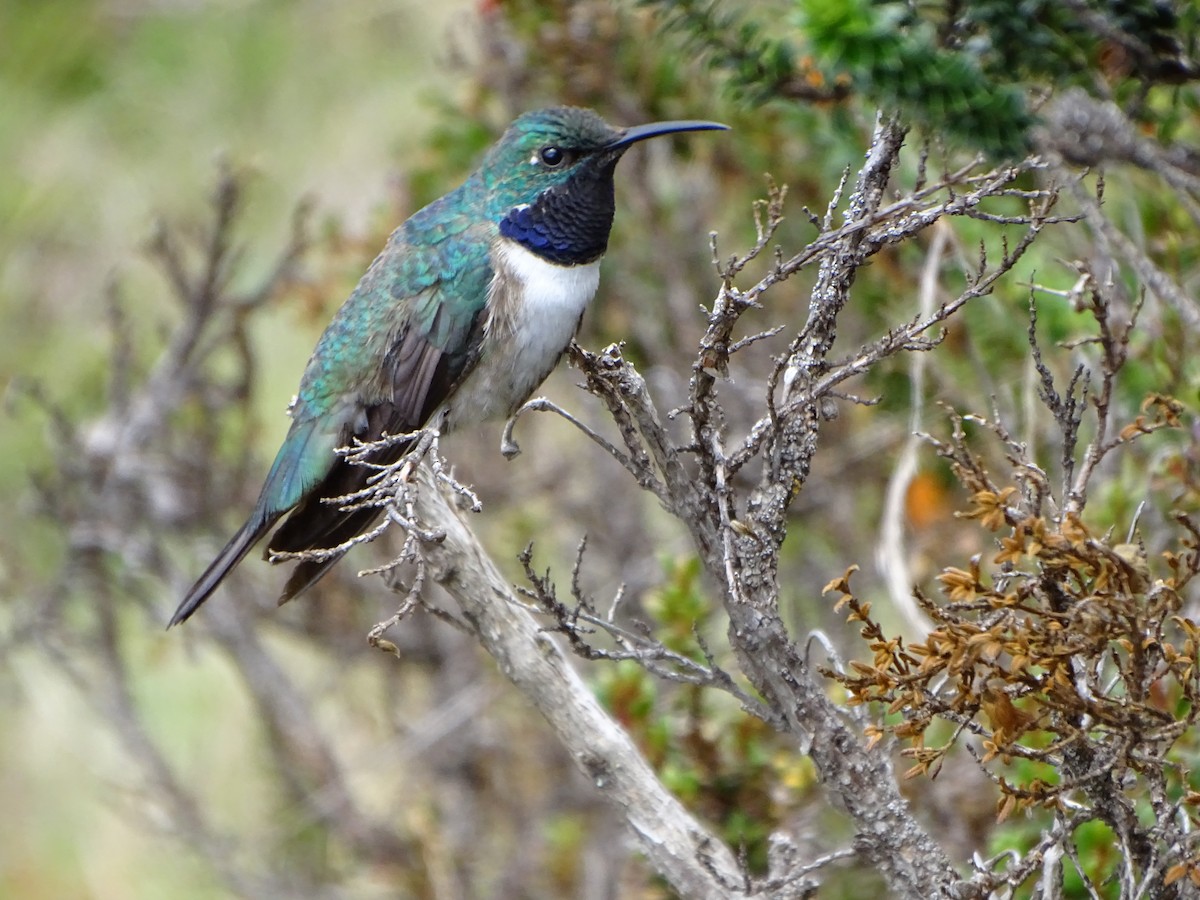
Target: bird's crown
[{"x": 542, "y": 149}]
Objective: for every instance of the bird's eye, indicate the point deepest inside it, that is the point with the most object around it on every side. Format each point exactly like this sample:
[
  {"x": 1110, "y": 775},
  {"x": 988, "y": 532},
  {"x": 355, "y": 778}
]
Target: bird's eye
[{"x": 551, "y": 156}]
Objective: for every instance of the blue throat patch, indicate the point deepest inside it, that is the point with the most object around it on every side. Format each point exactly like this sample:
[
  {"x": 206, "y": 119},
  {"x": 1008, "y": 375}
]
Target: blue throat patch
[{"x": 567, "y": 224}]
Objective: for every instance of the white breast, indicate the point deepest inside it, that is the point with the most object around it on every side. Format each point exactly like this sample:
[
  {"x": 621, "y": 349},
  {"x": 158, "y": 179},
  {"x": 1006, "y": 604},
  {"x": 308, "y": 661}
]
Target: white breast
[{"x": 534, "y": 308}]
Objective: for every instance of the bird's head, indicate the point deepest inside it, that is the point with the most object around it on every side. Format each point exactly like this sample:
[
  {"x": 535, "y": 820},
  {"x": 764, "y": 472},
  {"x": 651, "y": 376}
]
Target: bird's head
[{"x": 550, "y": 179}]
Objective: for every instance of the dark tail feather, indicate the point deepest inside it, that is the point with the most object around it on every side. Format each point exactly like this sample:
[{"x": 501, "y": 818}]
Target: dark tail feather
[
  {"x": 239, "y": 545},
  {"x": 317, "y": 526},
  {"x": 305, "y": 575}
]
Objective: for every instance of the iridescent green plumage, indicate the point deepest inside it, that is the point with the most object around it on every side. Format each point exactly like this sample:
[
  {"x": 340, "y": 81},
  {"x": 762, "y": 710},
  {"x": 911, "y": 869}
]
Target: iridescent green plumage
[{"x": 416, "y": 326}]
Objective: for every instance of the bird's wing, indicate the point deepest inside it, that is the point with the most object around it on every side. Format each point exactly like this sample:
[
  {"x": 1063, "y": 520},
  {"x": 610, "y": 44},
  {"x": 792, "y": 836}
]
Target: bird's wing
[
  {"x": 419, "y": 373},
  {"x": 427, "y": 351},
  {"x": 390, "y": 355}
]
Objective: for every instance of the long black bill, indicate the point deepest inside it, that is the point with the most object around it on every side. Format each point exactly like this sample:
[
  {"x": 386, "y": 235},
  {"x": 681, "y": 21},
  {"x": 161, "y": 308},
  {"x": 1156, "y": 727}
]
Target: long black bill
[{"x": 654, "y": 129}]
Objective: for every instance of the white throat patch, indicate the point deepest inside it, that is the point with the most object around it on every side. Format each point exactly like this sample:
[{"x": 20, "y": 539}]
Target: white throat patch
[{"x": 533, "y": 309}]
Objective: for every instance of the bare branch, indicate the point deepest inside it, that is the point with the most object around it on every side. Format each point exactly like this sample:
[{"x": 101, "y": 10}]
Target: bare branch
[{"x": 671, "y": 838}]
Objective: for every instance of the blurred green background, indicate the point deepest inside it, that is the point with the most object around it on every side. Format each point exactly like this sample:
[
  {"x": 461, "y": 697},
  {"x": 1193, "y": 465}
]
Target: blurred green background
[
  {"x": 113, "y": 113},
  {"x": 141, "y": 764}
]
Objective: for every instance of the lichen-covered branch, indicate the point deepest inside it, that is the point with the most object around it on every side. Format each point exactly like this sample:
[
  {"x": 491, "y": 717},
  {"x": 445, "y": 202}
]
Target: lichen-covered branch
[{"x": 688, "y": 855}]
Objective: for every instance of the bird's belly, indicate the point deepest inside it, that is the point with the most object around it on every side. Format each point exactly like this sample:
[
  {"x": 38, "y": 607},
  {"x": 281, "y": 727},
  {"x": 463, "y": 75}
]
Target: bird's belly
[{"x": 534, "y": 308}]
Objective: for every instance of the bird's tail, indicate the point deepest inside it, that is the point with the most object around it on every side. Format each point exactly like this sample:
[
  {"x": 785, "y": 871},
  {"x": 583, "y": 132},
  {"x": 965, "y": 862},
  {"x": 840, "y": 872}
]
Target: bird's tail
[
  {"x": 305, "y": 575},
  {"x": 239, "y": 545},
  {"x": 316, "y": 526}
]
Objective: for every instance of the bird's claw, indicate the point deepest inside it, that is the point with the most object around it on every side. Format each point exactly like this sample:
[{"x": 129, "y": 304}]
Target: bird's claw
[{"x": 509, "y": 448}]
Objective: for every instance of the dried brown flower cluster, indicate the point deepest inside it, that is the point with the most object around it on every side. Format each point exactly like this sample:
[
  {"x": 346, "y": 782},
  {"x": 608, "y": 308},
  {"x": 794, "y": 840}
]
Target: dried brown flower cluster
[{"x": 1066, "y": 656}]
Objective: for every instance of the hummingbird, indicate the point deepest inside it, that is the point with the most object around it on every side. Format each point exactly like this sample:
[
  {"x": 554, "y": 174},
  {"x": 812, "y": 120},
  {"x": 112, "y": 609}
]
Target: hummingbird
[{"x": 460, "y": 318}]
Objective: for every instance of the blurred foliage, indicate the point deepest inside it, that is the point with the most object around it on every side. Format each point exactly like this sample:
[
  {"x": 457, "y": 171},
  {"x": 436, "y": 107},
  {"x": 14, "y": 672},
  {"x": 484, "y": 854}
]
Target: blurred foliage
[
  {"x": 896, "y": 60},
  {"x": 730, "y": 768},
  {"x": 960, "y": 68}
]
